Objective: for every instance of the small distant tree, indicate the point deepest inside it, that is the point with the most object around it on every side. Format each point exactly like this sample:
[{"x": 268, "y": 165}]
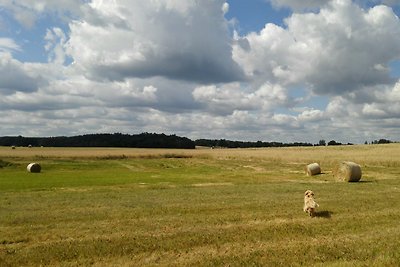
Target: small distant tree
[
  {"x": 333, "y": 143},
  {"x": 322, "y": 142}
]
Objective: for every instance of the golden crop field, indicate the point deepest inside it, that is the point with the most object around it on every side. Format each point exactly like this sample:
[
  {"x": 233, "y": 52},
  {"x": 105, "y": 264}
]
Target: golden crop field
[
  {"x": 203, "y": 207},
  {"x": 365, "y": 153}
]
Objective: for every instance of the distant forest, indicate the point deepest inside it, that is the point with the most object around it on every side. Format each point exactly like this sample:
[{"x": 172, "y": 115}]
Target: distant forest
[
  {"x": 244, "y": 144},
  {"x": 150, "y": 140},
  {"x": 143, "y": 140}
]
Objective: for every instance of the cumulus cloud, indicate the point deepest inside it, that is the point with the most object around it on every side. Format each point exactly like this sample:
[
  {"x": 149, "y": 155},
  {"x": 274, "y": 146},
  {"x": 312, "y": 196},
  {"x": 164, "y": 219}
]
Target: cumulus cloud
[
  {"x": 225, "y": 8},
  {"x": 311, "y": 115},
  {"x": 332, "y": 51},
  {"x": 358, "y": 120},
  {"x": 383, "y": 103},
  {"x": 8, "y": 45},
  {"x": 56, "y": 39},
  {"x": 307, "y": 5},
  {"x": 15, "y": 76},
  {"x": 230, "y": 98},
  {"x": 223, "y": 100},
  {"x": 183, "y": 40},
  {"x": 27, "y": 12}
]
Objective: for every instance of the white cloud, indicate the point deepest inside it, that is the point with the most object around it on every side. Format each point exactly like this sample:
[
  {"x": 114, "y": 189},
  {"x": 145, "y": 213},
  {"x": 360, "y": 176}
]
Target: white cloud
[
  {"x": 273, "y": 95},
  {"x": 225, "y": 8},
  {"x": 373, "y": 110},
  {"x": 223, "y": 100},
  {"x": 306, "y": 5},
  {"x": 231, "y": 98},
  {"x": 332, "y": 51},
  {"x": 26, "y": 12},
  {"x": 183, "y": 40},
  {"x": 15, "y": 76},
  {"x": 310, "y": 115},
  {"x": 55, "y": 45},
  {"x": 383, "y": 103},
  {"x": 8, "y": 45},
  {"x": 373, "y": 118}
]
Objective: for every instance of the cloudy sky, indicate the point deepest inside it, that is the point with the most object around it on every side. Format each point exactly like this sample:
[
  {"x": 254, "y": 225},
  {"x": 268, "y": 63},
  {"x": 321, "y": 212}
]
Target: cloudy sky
[{"x": 269, "y": 70}]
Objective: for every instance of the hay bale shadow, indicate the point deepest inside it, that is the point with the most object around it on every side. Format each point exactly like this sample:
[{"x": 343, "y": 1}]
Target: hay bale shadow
[
  {"x": 324, "y": 214},
  {"x": 363, "y": 181}
]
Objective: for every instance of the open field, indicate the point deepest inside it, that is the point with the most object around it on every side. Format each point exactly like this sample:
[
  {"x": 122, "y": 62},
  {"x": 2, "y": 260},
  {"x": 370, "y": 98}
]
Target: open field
[{"x": 203, "y": 207}]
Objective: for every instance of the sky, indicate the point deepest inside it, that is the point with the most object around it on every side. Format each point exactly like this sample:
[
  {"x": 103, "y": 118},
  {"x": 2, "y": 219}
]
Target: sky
[{"x": 249, "y": 70}]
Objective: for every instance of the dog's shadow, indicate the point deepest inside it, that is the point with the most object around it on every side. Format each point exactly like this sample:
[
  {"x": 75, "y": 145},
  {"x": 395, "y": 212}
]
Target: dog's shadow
[{"x": 324, "y": 214}]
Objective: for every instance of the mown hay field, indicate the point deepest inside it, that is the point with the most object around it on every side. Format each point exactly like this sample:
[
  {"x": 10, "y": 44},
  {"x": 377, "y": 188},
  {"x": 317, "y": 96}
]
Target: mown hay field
[{"x": 203, "y": 207}]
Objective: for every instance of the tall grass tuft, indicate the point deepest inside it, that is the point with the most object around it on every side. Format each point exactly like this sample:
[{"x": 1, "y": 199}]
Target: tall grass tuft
[{"x": 5, "y": 163}]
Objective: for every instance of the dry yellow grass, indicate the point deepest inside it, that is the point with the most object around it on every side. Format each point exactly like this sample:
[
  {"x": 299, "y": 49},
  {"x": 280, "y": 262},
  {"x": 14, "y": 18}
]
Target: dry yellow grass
[
  {"x": 360, "y": 153},
  {"x": 327, "y": 157},
  {"x": 203, "y": 207}
]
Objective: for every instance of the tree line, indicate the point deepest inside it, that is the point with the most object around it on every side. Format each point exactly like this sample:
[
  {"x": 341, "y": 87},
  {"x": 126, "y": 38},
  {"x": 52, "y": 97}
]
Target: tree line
[
  {"x": 151, "y": 140},
  {"x": 143, "y": 140},
  {"x": 245, "y": 144}
]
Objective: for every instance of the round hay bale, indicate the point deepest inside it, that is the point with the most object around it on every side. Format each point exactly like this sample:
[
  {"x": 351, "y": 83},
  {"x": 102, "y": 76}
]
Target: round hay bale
[
  {"x": 348, "y": 171},
  {"x": 313, "y": 169},
  {"x": 34, "y": 167}
]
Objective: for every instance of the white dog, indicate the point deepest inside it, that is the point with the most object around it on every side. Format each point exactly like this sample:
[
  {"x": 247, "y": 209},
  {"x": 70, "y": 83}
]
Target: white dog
[{"x": 309, "y": 203}]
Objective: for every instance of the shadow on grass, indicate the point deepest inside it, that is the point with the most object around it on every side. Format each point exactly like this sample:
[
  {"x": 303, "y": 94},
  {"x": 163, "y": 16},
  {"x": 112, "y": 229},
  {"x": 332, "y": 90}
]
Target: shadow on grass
[
  {"x": 363, "y": 181},
  {"x": 324, "y": 214}
]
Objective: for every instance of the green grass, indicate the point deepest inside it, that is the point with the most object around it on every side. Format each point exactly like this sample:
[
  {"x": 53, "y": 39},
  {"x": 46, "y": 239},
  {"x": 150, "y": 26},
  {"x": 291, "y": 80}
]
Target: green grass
[{"x": 206, "y": 209}]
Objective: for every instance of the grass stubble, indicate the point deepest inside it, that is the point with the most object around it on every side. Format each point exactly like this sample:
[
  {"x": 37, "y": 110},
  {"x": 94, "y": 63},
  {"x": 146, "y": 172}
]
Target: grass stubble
[{"x": 222, "y": 207}]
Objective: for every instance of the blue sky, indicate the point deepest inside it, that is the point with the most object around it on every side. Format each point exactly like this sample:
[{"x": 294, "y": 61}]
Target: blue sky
[
  {"x": 253, "y": 15},
  {"x": 270, "y": 70}
]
